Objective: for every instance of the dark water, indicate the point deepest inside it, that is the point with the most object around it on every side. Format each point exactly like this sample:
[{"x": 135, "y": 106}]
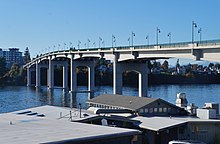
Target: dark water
[{"x": 17, "y": 98}]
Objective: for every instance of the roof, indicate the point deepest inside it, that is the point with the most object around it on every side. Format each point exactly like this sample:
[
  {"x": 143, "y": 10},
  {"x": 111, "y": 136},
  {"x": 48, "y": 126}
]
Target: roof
[
  {"x": 127, "y": 102},
  {"x": 23, "y": 128},
  {"x": 158, "y": 123}
]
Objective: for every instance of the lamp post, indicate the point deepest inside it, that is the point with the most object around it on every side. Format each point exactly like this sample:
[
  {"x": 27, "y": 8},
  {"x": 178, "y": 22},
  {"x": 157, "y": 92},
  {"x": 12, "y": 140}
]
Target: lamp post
[
  {"x": 80, "y": 110},
  {"x": 64, "y": 46},
  {"x": 79, "y": 42},
  {"x": 147, "y": 38},
  {"x": 71, "y": 45},
  {"x": 169, "y": 36},
  {"x": 200, "y": 34},
  {"x": 113, "y": 40},
  {"x": 103, "y": 42},
  {"x": 129, "y": 42},
  {"x": 53, "y": 47},
  {"x": 193, "y": 26},
  {"x": 94, "y": 44},
  {"x": 132, "y": 35},
  {"x": 88, "y": 43},
  {"x": 157, "y": 35},
  {"x": 58, "y": 47},
  {"x": 100, "y": 39}
]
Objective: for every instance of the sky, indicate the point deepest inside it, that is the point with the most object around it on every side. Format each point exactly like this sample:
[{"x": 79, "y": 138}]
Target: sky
[{"x": 43, "y": 25}]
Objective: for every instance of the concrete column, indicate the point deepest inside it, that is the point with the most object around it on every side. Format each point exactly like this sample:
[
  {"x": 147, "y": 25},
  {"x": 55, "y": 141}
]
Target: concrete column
[
  {"x": 50, "y": 74},
  {"x": 143, "y": 82},
  {"x": 28, "y": 76},
  {"x": 140, "y": 68},
  {"x": 91, "y": 79},
  {"x": 73, "y": 76},
  {"x": 37, "y": 74},
  {"x": 117, "y": 76},
  {"x": 65, "y": 75}
]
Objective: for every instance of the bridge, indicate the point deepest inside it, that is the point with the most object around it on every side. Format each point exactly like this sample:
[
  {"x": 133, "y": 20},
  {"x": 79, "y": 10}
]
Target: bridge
[{"x": 124, "y": 58}]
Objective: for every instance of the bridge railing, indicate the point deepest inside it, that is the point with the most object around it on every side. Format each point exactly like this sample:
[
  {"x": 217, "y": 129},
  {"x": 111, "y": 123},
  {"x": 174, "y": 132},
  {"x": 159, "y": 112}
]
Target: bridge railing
[{"x": 209, "y": 43}]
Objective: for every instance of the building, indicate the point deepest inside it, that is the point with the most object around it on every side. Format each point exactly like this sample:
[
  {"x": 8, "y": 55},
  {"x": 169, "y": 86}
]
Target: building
[
  {"x": 13, "y": 55},
  {"x": 142, "y": 106},
  {"x": 50, "y": 124}
]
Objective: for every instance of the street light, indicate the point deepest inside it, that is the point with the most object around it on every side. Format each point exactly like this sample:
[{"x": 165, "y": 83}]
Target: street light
[
  {"x": 58, "y": 47},
  {"x": 193, "y": 26},
  {"x": 64, "y": 45},
  {"x": 88, "y": 43},
  {"x": 79, "y": 42},
  {"x": 94, "y": 44},
  {"x": 200, "y": 34},
  {"x": 100, "y": 39},
  {"x": 169, "y": 36},
  {"x": 147, "y": 38},
  {"x": 132, "y": 35},
  {"x": 157, "y": 33},
  {"x": 129, "y": 41},
  {"x": 113, "y": 40},
  {"x": 71, "y": 45},
  {"x": 103, "y": 42},
  {"x": 53, "y": 47}
]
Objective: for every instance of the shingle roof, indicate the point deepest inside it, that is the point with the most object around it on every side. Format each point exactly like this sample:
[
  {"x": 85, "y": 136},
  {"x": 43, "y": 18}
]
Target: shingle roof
[{"x": 128, "y": 102}]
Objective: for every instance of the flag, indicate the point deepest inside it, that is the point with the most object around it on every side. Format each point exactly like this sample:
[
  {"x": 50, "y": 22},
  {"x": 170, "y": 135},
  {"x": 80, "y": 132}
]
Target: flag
[
  {"x": 129, "y": 39},
  {"x": 169, "y": 34},
  {"x": 100, "y": 38}
]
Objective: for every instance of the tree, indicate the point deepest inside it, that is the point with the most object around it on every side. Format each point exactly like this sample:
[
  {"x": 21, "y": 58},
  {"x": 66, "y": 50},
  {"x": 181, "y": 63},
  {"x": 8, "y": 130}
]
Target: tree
[
  {"x": 2, "y": 66},
  {"x": 27, "y": 57},
  {"x": 165, "y": 65}
]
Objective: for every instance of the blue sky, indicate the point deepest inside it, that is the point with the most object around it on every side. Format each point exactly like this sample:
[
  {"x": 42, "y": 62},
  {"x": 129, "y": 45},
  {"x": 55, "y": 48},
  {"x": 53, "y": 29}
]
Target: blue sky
[{"x": 40, "y": 24}]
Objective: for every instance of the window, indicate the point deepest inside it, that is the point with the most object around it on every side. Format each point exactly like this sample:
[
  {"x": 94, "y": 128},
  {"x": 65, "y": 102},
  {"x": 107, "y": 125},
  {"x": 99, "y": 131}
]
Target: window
[
  {"x": 141, "y": 110},
  {"x": 165, "y": 109},
  {"x": 155, "y": 109},
  {"x": 169, "y": 109},
  {"x": 151, "y": 110},
  {"x": 146, "y": 110},
  {"x": 160, "y": 110}
]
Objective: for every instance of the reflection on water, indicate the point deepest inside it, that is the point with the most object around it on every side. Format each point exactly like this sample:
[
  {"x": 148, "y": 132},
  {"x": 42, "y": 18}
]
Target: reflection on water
[{"x": 21, "y": 97}]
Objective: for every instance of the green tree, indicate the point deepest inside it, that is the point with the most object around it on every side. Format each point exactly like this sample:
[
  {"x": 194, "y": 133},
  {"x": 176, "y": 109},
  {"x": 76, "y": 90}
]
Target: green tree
[
  {"x": 27, "y": 57},
  {"x": 165, "y": 65},
  {"x": 14, "y": 71},
  {"x": 2, "y": 66}
]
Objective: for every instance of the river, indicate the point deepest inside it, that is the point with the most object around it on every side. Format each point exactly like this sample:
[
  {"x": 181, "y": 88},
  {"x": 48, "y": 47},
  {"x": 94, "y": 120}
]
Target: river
[{"x": 14, "y": 98}]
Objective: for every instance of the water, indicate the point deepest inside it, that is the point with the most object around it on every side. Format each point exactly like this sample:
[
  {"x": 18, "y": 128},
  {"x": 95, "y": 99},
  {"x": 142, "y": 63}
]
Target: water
[{"x": 16, "y": 98}]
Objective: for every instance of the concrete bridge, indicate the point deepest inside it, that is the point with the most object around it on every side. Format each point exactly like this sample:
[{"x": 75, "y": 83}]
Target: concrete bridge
[{"x": 124, "y": 58}]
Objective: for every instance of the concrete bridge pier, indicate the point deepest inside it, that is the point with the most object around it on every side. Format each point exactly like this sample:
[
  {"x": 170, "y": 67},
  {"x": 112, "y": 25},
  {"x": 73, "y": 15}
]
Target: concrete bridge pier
[
  {"x": 73, "y": 78},
  {"x": 90, "y": 64},
  {"x": 38, "y": 83},
  {"x": 30, "y": 69},
  {"x": 64, "y": 64},
  {"x": 50, "y": 74},
  {"x": 65, "y": 75},
  {"x": 140, "y": 68}
]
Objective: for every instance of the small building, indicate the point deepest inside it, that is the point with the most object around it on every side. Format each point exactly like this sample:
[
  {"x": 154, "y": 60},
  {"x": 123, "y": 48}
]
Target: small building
[
  {"x": 50, "y": 124},
  {"x": 142, "y": 106}
]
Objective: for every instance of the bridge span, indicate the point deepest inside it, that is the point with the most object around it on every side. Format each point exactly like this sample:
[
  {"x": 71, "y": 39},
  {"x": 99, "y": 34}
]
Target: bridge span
[{"x": 124, "y": 58}]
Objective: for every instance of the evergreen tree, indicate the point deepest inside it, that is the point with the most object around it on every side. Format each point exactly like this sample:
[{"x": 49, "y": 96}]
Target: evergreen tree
[
  {"x": 27, "y": 57},
  {"x": 165, "y": 65},
  {"x": 2, "y": 66}
]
